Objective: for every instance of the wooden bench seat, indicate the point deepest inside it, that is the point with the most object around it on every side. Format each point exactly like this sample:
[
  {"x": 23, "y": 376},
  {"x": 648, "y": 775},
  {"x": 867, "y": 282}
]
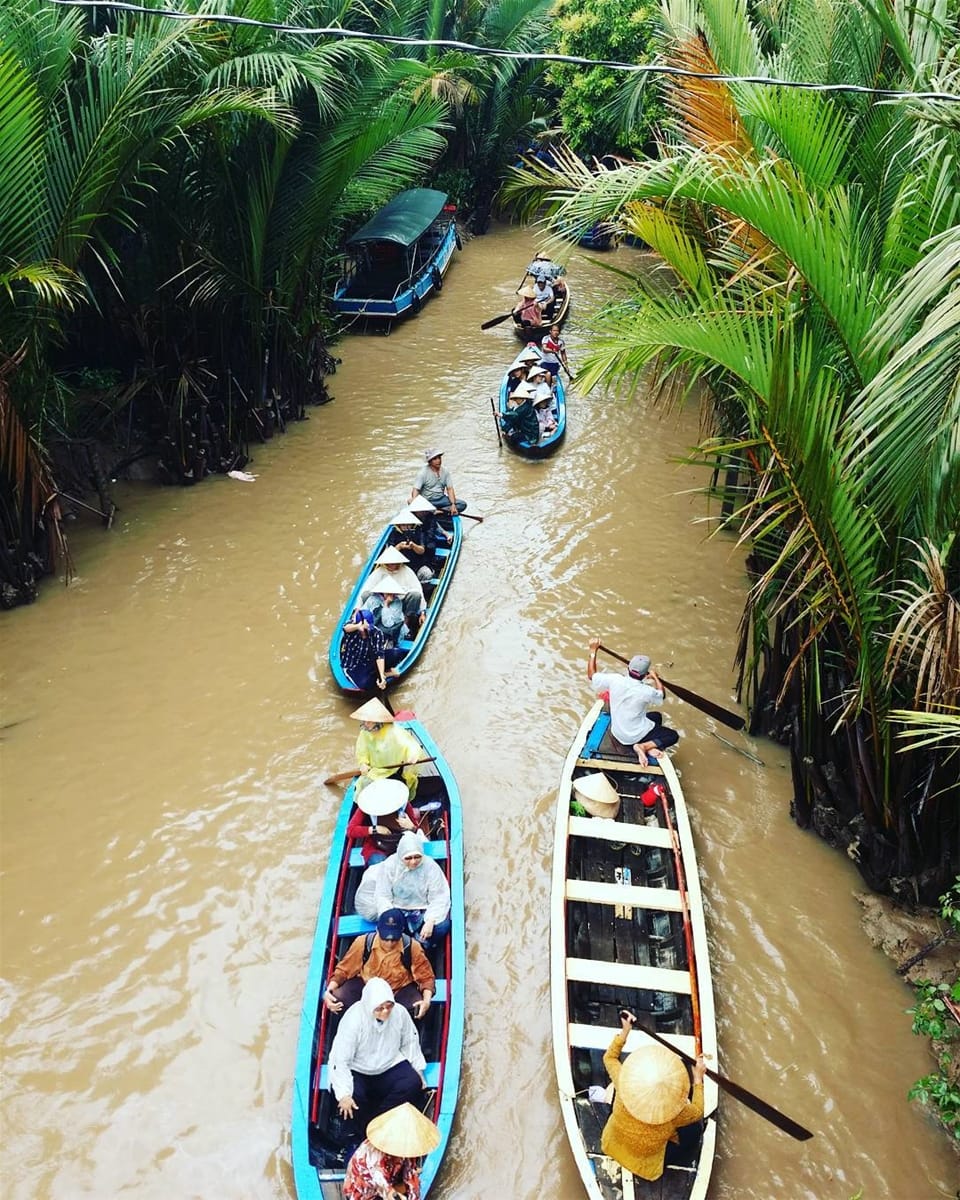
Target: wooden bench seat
[{"x": 628, "y": 975}]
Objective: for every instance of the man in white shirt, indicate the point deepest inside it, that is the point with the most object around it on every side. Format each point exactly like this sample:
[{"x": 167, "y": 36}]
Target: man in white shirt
[{"x": 631, "y": 695}]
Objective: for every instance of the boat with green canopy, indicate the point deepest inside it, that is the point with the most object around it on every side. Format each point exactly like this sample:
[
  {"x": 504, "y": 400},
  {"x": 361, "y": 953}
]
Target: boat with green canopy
[{"x": 398, "y": 258}]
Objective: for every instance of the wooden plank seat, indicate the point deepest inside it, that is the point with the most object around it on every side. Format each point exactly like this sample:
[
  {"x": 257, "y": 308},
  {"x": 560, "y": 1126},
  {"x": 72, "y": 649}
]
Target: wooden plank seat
[
  {"x": 618, "y": 831},
  {"x": 432, "y": 1074},
  {"x": 599, "y": 1037},
  {"x": 609, "y": 764},
  {"x": 628, "y": 975},
  {"x": 435, "y": 850},
  {"x": 659, "y": 899}
]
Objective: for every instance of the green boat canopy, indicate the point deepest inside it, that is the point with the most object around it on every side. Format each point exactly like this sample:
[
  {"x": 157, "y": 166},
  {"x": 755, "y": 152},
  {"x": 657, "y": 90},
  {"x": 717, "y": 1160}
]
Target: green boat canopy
[{"x": 404, "y": 219}]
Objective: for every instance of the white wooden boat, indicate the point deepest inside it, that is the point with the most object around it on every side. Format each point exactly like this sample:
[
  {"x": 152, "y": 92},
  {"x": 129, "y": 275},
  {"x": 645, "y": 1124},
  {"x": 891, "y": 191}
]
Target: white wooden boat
[{"x": 619, "y": 939}]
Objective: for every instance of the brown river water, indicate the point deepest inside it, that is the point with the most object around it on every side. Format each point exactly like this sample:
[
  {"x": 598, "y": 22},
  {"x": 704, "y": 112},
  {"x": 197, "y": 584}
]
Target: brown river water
[{"x": 165, "y": 827}]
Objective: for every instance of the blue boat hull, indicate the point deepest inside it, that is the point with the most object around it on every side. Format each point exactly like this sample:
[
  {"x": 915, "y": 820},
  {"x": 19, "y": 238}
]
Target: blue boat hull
[
  {"x": 447, "y": 561},
  {"x": 316, "y": 1173},
  {"x": 409, "y": 297},
  {"x": 548, "y": 444}
]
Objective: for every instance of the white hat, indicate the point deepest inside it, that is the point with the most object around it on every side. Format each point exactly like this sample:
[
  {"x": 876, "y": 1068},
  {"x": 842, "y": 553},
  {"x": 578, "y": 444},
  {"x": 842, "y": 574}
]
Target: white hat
[
  {"x": 529, "y": 354},
  {"x": 536, "y": 369},
  {"x": 518, "y": 364},
  {"x": 403, "y": 1132},
  {"x": 597, "y": 795},
  {"x": 420, "y": 504},
  {"x": 383, "y": 796},
  {"x": 543, "y": 392},
  {"x": 405, "y": 517},
  {"x": 390, "y": 557},
  {"x": 428, "y": 454},
  {"x": 373, "y": 710},
  {"x": 523, "y": 391}
]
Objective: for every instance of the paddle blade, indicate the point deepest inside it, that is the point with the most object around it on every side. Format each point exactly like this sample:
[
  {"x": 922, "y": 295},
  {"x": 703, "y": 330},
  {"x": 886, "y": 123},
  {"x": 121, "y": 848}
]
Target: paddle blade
[
  {"x": 761, "y": 1107},
  {"x": 497, "y": 320},
  {"x": 731, "y": 719}
]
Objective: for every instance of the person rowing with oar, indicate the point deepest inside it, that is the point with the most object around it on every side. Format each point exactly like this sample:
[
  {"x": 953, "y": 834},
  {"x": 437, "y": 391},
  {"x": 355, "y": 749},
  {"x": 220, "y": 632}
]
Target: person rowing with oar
[
  {"x": 631, "y": 696},
  {"x": 433, "y": 482},
  {"x": 382, "y": 745},
  {"x": 651, "y": 1102}
]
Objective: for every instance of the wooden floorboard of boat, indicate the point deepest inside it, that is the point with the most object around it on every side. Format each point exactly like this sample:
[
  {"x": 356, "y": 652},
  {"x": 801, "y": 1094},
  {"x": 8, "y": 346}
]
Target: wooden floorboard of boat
[
  {"x": 614, "y": 974},
  {"x": 624, "y": 896},
  {"x": 619, "y": 831}
]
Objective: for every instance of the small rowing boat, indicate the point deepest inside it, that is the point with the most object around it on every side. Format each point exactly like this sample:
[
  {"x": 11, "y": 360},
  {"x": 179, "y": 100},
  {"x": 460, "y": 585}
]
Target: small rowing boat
[
  {"x": 556, "y": 316},
  {"x": 444, "y": 560},
  {"x": 627, "y": 931},
  {"x": 548, "y": 442},
  {"x": 319, "y": 1155},
  {"x": 398, "y": 258}
]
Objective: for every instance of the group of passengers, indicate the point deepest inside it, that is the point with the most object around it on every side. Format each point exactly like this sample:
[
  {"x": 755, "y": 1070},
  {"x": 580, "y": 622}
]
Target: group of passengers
[
  {"x": 384, "y": 982},
  {"x": 392, "y": 602},
  {"x": 531, "y": 411},
  {"x": 543, "y": 299}
]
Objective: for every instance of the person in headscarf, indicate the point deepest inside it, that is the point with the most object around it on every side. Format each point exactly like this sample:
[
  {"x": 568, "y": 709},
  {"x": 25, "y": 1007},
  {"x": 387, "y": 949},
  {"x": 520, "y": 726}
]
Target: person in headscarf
[
  {"x": 386, "y": 1165},
  {"x": 364, "y": 655},
  {"x": 382, "y": 745},
  {"x": 417, "y": 885},
  {"x": 375, "y": 1061},
  {"x": 651, "y": 1103}
]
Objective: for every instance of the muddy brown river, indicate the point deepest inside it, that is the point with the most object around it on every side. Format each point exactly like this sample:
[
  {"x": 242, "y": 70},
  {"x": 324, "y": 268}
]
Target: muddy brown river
[{"x": 165, "y": 828}]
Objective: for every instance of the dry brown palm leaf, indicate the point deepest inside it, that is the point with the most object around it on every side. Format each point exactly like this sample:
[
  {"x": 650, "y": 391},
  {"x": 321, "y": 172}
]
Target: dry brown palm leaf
[
  {"x": 927, "y": 636},
  {"x": 705, "y": 107}
]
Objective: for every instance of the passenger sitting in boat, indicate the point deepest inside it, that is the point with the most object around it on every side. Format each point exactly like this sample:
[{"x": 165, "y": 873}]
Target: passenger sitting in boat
[
  {"x": 538, "y": 378},
  {"x": 543, "y": 293},
  {"x": 559, "y": 291},
  {"x": 393, "y": 576},
  {"x": 364, "y": 655},
  {"x": 527, "y": 311},
  {"x": 391, "y": 954},
  {"x": 520, "y": 419},
  {"x": 383, "y": 813},
  {"x": 408, "y": 538},
  {"x": 516, "y": 374},
  {"x": 386, "y": 1166},
  {"x": 418, "y": 886},
  {"x": 650, "y": 1104},
  {"x": 433, "y": 482},
  {"x": 381, "y": 745},
  {"x": 553, "y": 351},
  {"x": 432, "y": 531},
  {"x": 631, "y": 695},
  {"x": 545, "y": 417},
  {"x": 375, "y": 1061}
]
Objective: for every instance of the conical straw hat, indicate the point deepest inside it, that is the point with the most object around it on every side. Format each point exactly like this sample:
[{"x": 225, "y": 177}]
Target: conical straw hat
[
  {"x": 390, "y": 556},
  {"x": 529, "y": 354},
  {"x": 597, "y": 795},
  {"x": 403, "y": 1132},
  {"x": 383, "y": 796},
  {"x": 373, "y": 710},
  {"x": 523, "y": 391},
  {"x": 405, "y": 517},
  {"x": 420, "y": 504},
  {"x": 653, "y": 1084}
]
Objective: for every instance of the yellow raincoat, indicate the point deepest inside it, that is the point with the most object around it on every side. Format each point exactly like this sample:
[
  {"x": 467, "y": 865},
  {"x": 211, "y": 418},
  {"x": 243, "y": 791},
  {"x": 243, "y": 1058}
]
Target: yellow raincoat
[{"x": 382, "y": 749}]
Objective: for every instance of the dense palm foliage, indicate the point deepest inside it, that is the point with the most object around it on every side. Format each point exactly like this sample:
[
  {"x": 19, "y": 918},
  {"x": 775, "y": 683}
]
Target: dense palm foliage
[
  {"x": 807, "y": 271},
  {"x": 173, "y": 196}
]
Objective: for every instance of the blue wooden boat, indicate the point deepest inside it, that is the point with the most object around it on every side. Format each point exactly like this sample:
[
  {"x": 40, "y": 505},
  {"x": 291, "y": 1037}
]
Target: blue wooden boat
[
  {"x": 434, "y": 590},
  {"x": 398, "y": 258},
  {"x": 319, "y": 1161},
  {"x": 548, "y": 444}
]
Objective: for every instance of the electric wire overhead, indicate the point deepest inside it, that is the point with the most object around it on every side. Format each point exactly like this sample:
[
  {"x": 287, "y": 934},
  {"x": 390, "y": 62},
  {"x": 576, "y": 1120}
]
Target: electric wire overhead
[{"x": 518, "y": 55}]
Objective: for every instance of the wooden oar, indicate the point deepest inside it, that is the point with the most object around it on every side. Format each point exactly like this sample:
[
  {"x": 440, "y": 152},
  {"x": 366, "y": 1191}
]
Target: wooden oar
[
  {"x": 339, "y": 778},
  {"x": 496, "y": 422},
  {"x": 497, "y": 320},
  {"x": 731, "y": 719},
  {"x": 761, "y": 1107},
  {"x": 470, "y": 515}
]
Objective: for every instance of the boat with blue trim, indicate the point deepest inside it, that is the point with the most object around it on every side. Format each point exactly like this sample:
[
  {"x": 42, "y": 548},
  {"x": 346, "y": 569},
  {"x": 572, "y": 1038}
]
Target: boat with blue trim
[
  {"x": 398, "y": 258},
  {"x": 627, "y": 930},
  {"x": 319, "y": 1153},
  {"x": 549, "y": 442},
  {"x": 444, "y": 561}
]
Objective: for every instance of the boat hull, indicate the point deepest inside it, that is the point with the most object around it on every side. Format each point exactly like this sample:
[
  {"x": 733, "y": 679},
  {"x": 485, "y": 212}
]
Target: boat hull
[
  {"x": 318, "y": 1173},
  {"x": 526, "y": 334},
  {"x": 551, "y": 442},
  {"x": 446, "y": 561},
  {"x": 617, "y": 940}
]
